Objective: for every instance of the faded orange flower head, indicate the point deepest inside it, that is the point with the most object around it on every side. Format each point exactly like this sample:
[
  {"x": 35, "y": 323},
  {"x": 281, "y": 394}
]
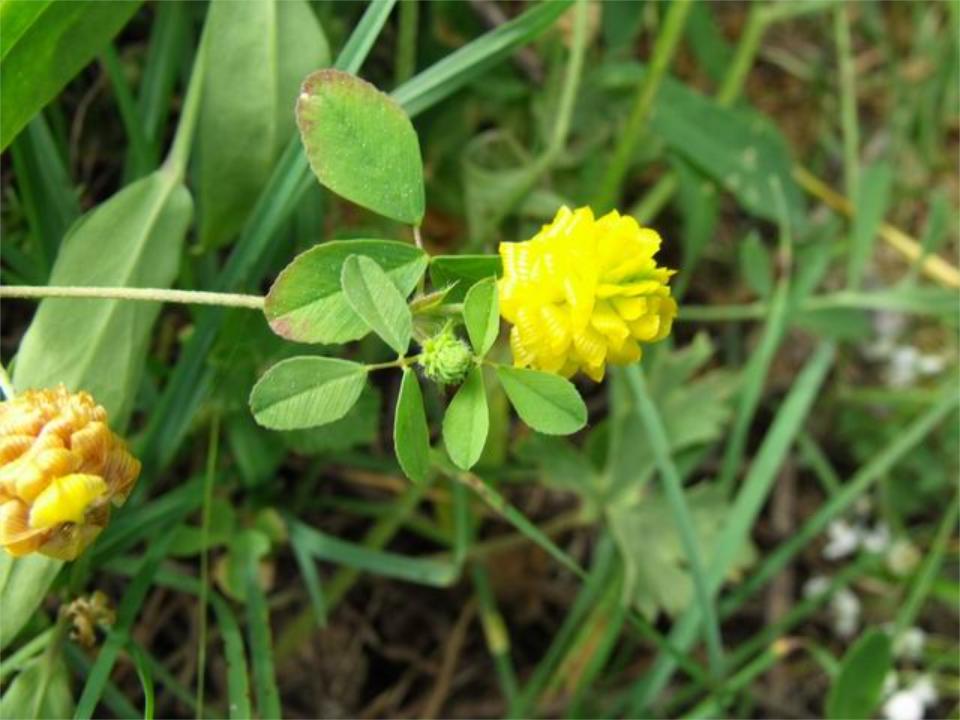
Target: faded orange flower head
[
  {"x": 585, "y": 292},
  {"x": 61, "y": 468}
]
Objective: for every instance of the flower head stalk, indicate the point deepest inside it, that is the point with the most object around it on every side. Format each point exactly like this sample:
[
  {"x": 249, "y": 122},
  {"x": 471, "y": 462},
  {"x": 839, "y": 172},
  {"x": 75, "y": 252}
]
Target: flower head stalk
[
  {"x": 61, "y": 469},
  {"x": 585, "y": 292}
]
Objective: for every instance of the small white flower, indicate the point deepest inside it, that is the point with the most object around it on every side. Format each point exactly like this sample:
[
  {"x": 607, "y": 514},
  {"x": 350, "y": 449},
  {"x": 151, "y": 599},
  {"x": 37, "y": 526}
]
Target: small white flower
[
  {"x": 902, "y": 557},
  {"x": 817, "y": 585},
  {"x": 931, "y": 364},
  {"x": 902, "y": 370},
  {"x": 910, "y": 703},
  {"x": 876, "y": 540},
  {"x": 909, "y": 644},
  {"x": 843, "y": 540},
  {"x": 846, "y": 613},
  {"x": 924, "y": 689},
  {"x": 903, "y": 705}
]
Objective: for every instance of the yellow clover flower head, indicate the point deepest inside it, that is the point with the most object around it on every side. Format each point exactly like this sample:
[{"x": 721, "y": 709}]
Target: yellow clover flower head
[
  {"x": 61, "y": 468},
  {"x": 584, "y": 292}
]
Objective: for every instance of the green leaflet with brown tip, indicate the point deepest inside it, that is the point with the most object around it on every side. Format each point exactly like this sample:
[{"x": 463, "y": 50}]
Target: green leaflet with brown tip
[{"x": 361, "y": 145}]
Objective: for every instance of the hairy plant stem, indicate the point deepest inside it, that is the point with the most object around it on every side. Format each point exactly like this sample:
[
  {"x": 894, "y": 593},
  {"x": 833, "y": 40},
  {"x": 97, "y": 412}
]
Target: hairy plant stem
[{"x": 188, "y": 297}]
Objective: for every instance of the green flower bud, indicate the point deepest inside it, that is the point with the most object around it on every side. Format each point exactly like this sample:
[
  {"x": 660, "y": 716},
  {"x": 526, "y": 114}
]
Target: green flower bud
[{"x": 445, "y": 358}]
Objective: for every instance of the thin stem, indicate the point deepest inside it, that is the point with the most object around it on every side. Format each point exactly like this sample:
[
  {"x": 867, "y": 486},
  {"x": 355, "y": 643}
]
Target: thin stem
[
  {"x": 655, "y": 199},
  {"x": 571, "y": 82},
  {"x": 398, "y": 363},
  {"x": 406, "y": 42},
  {"x": 208, "y": 482},
  {"x": 188, "y": 297},
  {"x": 418, "y": 241},
  {"x": 744, "y": 56},
  {"x": 848, "y": 102},
  {"x": 50, "y": 656},
  {"x": 128, "y": 110},
  {"x": 663, "y": 52},
  {"x": 832, "y": 301},
  {"x": 176, "y": 161}
]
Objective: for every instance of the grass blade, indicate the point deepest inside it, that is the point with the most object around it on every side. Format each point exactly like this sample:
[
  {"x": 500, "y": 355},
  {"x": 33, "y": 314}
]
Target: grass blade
[
  {"x": 872, "y": 199},
  {"x": 673, "y": 489},
  {"x": 308, "y": 571},
  {"x": 139, "y": 154},
  {"x": 164, "y": 62},
  {"x": 923, "y": 581},
  {"x": 498, "y": 640},
  {"x": 46, "y": 191},
  {"x": 120, "y": 633},
  {"x": 746, "y": 506},
  {"x": 115, "y": 700},
  {"x": 261, "y": 645},
  {"x": 417, "y": 570},
  {"x": 238, "y": 685},
  {"x": 461, "y": 67},
  {"x": 498, "y": 503},
  {"x": 603, "y": 565},
  {"x": 145, "y": 675},
  {"x": 851, "y": 490},
  {"x": 755, "y": 375}
]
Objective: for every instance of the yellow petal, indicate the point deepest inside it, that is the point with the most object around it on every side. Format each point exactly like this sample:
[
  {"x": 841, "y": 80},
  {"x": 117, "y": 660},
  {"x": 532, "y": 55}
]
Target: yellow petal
[
  {"x": 630, "y": 308},
  {"x": 645, "y": 328},
  {"x": 595, "y": 372},
  {"x": 16, "y": 535},
  {"x": 606, "y": 321},
  {"x": 627, "y": 354},
  {"x": 66, "y": 499},
  {"x": 590, "y": 347},
  {"x": 13, "y": 446},
  {"x": 522, "y": 357},
  {"x": 556, "y": 322}
]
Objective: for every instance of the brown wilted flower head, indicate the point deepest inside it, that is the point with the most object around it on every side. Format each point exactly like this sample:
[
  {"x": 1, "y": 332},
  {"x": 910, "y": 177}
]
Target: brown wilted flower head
[
  {"x": 86, "y": 614},
  {"x": 60, "y": 470}
]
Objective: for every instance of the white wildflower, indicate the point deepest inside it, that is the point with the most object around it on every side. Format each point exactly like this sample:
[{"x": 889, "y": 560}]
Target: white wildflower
[
  {"x": 902, "y": 557},
  {"x": 876, "y": 540},
  {"x": 931, "y": 364},
  {"x": 902, "y": 368},
  {"x": 910, "y": 703},
  {"x": 817, "y": 585},
  {"x": 843, "y": 540},
  {"x": 845, "y": 607},
  {"x": 924, "y": 689},
  {"x": 903, "y": 705},
  {"x": 909, "y": 644}
]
